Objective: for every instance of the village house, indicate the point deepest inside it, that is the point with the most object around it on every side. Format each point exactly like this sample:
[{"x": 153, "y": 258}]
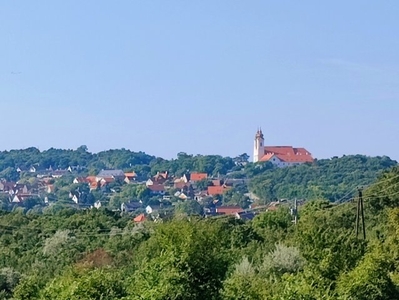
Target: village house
[
  {"x": 19, "y": 198},
  {"x": 200, "y": 196},
  {"x": 6, "y": 186},
  {"x": 280, "y": 156},
  {"x": 114, "y": 174},
  {"x": 181, "y": 185},
  {"x": 228, "y": 210},
  {"x": 59, "y": 173},
  {"x": 244, "y": 215},
  {"x": 157, "y": 189},
  {"x": 195, "y": 176},
  {"x": 159, "y": 178},
  {"x": 106, "y": 180},
  {"x": 20, "y": 189},
  {"x": 80, "y": 180},
  {"x": 75, "y": 168},
  {"x": 74, "y": 195},
  {"x": 90, "y": 180},
  {"x": 217, "y": 190},
  {"x": 140, "y": 218},
  {"x": 128, "y": 207},
  {"x": 49, "y": 188},
  {"x": 130, "y": 177}
]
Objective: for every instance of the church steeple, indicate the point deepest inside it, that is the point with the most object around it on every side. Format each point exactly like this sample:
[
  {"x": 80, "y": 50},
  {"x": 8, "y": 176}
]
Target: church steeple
[
  {"x": 259, "y": 146},
  {"x": 259, "y": 133}
]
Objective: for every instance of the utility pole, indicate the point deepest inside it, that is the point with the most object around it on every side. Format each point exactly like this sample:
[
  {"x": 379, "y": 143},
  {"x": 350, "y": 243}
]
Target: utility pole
[
  {"x": 360, "y": 214},
  {"x": 294, "y": 212}
]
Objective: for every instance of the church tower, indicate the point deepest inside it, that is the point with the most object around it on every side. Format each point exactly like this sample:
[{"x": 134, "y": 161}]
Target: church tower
[{"x": 259, "y": 146}]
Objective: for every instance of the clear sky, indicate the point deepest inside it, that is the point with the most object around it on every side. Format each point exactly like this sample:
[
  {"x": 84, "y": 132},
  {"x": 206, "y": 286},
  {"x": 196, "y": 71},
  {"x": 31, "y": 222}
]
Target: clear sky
[{"x": 200, "y": 76}]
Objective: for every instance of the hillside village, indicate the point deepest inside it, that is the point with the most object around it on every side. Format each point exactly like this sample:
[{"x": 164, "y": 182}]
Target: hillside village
[
  {"x": 152, "y": 188},
  {"x": 158, "y": 193}
]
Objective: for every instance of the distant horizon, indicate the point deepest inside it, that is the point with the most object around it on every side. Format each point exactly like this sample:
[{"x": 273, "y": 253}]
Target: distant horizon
[{"x": 194, "y": 154}]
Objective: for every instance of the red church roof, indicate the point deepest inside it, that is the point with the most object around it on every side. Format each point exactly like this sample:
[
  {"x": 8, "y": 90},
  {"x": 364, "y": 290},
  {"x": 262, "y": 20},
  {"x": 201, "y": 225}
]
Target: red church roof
[{"x": 287, "y": 154}]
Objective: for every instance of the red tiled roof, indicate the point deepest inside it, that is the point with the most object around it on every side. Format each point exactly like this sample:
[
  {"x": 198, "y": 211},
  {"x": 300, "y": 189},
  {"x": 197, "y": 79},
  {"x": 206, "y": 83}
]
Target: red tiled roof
[
  {"x": 81, "y": 179},
  {"x": 156, "y": 187},
  {"x": 139, "y": 218},
  {"x": 198, "y": 176},
  {"x": 287, "y": 154},
  {"x": 93, "y": 185},
  {"x": 91, "y": 179},
  {"x": 107, "y": 179},
  {"x": 229, "y": 210},
  {"x": 217, "y": 182},
  {"x": 216, "y": 190},
  {"x": 180, "y": 185},
  {"x": 131, "y": 174}
]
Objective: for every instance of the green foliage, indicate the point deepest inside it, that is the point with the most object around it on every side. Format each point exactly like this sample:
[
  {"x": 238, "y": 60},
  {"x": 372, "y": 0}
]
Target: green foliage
[
  {"x": 9, "y": 278},
  {"x": 66, "y": 253},
  {"x": 244, "y": 283},
  {"x": 273, "y": 227},
  {"x": 328, "y": 243},
  {"x": 283, "y": 260},
  {"x": 189, "y": 207},
  {"x": 182, "y": 260},
  {"x": 9, "y": 174},
  {"x": 384, "y": 193},
  {"x": 329, "y": 179},
  {"x": 369, "y": 280},
  {"x": 95, "y": 284}
]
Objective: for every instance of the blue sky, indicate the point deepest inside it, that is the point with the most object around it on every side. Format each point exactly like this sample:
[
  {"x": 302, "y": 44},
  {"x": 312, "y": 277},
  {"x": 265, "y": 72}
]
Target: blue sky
[{"x": 200, "y": 76}]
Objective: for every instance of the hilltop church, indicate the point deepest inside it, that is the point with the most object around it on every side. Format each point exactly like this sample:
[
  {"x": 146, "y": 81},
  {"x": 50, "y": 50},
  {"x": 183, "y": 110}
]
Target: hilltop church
[{"x": 281, "y": 156}]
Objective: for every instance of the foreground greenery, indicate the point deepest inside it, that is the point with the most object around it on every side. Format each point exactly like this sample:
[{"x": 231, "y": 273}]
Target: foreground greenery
[{"x": 97, "y": 254}]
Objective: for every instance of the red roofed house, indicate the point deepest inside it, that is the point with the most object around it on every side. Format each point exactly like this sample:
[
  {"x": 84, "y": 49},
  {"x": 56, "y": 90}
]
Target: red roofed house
[
  {"x": 81, "y": 180},
  {"x": 198, "y": 176},
  {"x": 228, "y": 210},
  {"x": 130, "y": 177},
  {"x": 281, "y": 156},
  {"x": 157, "y": 189},
  {"x": 140, "y": 218},
  {"x": 217, "y": 190}
]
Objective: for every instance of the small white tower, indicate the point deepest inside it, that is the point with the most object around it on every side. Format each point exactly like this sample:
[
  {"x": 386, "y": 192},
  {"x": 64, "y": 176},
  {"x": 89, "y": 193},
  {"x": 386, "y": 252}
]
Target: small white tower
[{"x": 259, "y": 146}]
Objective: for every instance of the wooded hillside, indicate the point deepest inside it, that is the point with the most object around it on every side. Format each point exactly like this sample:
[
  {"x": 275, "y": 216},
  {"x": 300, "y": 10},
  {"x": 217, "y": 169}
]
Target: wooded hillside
[{"x": 97, "y": 254}]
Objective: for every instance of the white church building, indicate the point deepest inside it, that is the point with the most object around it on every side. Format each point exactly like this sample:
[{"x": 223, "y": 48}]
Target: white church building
[{"x": 281, "y": 156}]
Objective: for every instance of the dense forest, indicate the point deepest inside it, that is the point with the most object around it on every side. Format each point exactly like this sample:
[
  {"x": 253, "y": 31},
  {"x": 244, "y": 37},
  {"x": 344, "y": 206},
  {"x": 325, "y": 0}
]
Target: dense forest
[{"x": 99, "y": 254}]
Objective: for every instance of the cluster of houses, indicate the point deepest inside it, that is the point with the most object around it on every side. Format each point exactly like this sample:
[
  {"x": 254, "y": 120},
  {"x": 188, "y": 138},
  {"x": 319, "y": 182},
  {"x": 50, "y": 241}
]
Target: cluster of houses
[
  {"x": 19, "y": 192},
  {"x": 193, "y": 186}
]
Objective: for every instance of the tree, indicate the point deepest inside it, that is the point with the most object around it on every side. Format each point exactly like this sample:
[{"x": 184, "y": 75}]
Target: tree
[
  {"x": 245, "y": 283},
  {"x": 99, "y": 283},
  {"x": 369, "y": 280},
  {"x": 10, "y": 174},
  {"x": 182, "y": 260},
  {"x": 189, "y": 207}
]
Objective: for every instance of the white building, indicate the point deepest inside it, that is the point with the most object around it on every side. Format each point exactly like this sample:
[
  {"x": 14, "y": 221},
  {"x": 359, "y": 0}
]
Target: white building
[{"x": 281, "y": 156}]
